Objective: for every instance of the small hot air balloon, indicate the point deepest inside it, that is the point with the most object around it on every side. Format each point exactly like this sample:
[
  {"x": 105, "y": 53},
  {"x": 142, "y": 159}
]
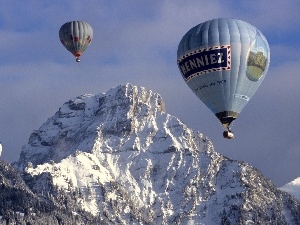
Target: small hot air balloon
[
  {"x": 224, "y": 61},
  {"x": 76, "y": 36}
]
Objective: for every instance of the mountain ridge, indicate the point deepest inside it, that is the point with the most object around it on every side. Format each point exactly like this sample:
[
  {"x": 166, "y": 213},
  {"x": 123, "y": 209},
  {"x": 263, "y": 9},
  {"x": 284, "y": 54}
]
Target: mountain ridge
[{"x": 135, "y": 163}]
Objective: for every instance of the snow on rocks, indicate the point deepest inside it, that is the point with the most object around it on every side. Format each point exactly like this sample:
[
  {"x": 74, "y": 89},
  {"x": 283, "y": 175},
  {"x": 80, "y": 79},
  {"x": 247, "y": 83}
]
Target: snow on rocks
[
  {"x": 293, "y": 188},
  {"x": 135, "y": 163}
]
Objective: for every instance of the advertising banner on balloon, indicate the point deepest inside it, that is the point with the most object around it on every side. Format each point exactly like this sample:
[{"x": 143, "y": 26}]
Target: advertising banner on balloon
[{"x": 204, "y": 60}]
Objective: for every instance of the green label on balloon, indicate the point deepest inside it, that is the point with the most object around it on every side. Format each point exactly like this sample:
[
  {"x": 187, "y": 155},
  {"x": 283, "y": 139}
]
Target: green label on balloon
[{"x": 205, "y": 60}]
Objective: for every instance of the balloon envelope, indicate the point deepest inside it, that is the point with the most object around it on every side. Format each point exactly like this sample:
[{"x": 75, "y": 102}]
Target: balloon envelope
[
  {"x": 224, "y": 61},
  {"x": 76, "y": 36}
]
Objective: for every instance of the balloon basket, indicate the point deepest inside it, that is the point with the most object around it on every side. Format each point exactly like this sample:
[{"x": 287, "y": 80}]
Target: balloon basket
[{"x": 228, "y": 134}]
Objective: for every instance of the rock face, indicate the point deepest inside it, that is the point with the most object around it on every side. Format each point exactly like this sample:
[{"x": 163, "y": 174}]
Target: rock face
[{"x": 130, "y": 162}]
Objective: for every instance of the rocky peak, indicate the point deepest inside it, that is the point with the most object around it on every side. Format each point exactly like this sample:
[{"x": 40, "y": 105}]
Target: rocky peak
[
  {"x": 84, "y": 118},
  {"x": 134, "y": 163}
]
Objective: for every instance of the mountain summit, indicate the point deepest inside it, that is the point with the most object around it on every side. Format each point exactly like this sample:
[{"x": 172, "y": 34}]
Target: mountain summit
[
  {"x": 104, "y": 123},
  {"x": 126, "y": 160}
]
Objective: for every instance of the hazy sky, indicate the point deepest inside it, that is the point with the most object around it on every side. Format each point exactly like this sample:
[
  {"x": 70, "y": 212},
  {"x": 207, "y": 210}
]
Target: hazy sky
[{"x": 136, "y": 42}]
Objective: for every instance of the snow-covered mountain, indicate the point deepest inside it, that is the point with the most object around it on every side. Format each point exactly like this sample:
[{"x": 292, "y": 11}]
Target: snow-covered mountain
[
  {"x": 127, "y": 161},
  {"x": 293, "y": 188}
]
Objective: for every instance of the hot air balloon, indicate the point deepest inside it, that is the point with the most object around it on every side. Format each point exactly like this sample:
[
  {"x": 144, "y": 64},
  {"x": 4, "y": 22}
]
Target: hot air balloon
[
  {"x": 224, "y": 61},
  {"x": 76, "y": 36}
]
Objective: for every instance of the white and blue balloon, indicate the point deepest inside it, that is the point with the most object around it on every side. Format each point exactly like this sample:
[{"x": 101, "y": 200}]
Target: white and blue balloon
[{"x": 224, "y": 61}]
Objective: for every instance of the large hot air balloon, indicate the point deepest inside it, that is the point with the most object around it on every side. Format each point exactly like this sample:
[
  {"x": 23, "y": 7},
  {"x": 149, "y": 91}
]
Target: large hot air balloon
[
  {"x": 76, "y": 37},
  {"x": 224, "y": 61}
]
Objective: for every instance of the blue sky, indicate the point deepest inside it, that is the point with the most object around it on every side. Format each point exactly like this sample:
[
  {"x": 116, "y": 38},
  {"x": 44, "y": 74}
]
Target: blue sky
[{"x": 136, "y": 42}]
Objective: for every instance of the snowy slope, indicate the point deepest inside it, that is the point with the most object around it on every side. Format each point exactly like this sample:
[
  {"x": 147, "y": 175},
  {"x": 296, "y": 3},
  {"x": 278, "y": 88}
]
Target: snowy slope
[
  {"x": 132, "y": 162},
  {"x": 293, "y": 188},
  {"x": 20, "y": 205}
]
